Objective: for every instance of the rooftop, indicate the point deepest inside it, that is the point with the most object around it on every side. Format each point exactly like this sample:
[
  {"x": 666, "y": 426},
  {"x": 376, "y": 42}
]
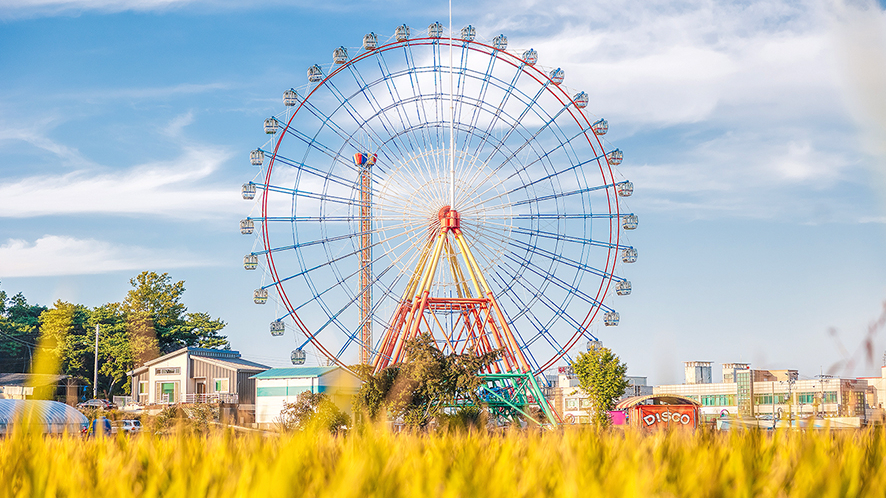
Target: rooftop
[{"x": 293, "y": 372}]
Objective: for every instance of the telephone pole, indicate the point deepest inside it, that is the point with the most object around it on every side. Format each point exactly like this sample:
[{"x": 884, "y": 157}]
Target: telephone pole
[{"x": 95, "y": 368}]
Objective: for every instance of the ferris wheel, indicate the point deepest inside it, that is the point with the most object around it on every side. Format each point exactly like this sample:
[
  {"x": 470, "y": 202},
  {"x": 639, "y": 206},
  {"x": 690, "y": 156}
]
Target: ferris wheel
[{"x": 436, "y": 183}]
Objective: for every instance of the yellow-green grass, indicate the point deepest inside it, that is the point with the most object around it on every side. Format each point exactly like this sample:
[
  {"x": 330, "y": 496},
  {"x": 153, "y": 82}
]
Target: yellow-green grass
[{"x": 563, "y": 463}]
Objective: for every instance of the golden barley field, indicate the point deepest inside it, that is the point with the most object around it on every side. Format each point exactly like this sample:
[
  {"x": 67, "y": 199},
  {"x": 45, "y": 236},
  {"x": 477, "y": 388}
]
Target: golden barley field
[{"x": 570, "y": 462}]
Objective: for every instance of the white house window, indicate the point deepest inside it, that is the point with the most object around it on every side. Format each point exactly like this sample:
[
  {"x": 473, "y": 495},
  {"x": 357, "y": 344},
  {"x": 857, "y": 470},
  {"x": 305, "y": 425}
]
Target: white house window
[
  {"x": 168, "y": 371},
  {"x": 221, "y": 386},
  {"x": 142, "y": 388},
  {"x": 571, "y": 403}
]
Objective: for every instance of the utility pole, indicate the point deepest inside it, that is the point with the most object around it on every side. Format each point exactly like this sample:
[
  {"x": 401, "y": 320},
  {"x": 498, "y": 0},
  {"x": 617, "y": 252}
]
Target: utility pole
[{"x": 95, "y": 368}]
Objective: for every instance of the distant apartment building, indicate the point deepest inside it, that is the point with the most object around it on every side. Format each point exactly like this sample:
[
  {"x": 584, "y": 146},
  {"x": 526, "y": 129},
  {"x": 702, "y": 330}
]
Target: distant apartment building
[{"x": 780, "y": 394}]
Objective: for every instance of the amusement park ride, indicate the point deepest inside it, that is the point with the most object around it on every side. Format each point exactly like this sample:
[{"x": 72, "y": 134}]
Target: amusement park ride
[{"x": 472, "y": 200}]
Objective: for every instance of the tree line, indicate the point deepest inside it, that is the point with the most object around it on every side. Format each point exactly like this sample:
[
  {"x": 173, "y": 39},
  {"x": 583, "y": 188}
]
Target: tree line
[{"x": 150, "y": 321}]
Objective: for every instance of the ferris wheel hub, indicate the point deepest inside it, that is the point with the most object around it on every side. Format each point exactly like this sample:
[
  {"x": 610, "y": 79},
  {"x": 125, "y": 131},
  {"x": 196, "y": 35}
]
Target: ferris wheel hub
[{"x": 449, "y": 218}]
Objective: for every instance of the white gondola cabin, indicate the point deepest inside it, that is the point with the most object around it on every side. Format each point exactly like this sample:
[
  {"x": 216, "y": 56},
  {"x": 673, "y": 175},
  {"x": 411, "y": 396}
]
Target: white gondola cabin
[
  {"x": 340, "y": 55},
  {"x": 435, "y": 30},
  {"x": 610, "y": 318},
  {"x": 557, "y": 76},
  {"x": 500, "y": 42},
  {"x": 625, "y": 189},
  {"x": 530, "y": 57},
  {"x": 271, "y": 125},
  {"x": 247, "y": 226},
  {"x": 623, "y": 288},
  {"x": 315, "y": 73},
  {"x": 260, "y": 296},
  {"x": 594, "y": 344},
  {"x": 402, "y": 32},
  {"x": 615, "y": 157},
  {"x": 600, "y": 127},
  {"x": 630, "y": 222},
  {"x": 250, "y": 261},
  {"x": 257, "y": 157},
  {"x": 629, "y": 255},
  {"x": 581, "y": 100},
  {"x": 290, "y": 97},
  {"x": 277, "y": 328},
  {"x": 370, "y": 41},
  {"x": 468, "y": 33},
  {"x": 298, "y": 357},
  {"x": 248, "y": 191}
]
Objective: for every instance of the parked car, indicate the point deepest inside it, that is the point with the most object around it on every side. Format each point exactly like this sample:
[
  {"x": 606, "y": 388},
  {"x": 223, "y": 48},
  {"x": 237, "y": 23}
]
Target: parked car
[
  {"x": 130, "y": 426},
  {"x": 97, "y": 403}
]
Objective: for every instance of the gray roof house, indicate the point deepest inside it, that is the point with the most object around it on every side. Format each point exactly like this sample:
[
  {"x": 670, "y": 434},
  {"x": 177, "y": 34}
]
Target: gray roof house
[{"x": 196, "y": 375}]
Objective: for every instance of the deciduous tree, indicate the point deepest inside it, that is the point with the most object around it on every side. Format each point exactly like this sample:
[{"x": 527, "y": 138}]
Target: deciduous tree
[
  {"x": 602, "y": 376},
  {"x": 428, "y": 381}
]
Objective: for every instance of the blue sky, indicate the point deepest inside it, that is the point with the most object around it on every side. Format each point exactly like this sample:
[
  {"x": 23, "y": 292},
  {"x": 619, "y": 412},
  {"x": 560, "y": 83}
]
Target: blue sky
[{"x": 754, "y": 132}]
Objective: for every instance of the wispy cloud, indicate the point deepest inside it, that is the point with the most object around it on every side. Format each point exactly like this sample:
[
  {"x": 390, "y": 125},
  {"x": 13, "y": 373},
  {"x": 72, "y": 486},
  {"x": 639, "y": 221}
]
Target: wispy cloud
[
  {"x": 53, "y": 255},
  {"x": 178, "y": 188}
]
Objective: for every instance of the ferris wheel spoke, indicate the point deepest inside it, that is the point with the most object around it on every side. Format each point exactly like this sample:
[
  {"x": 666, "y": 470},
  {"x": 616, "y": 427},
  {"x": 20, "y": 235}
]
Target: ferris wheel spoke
[
  {"x": 347, "y": 138},
  {"x": 525, "y": 167},
  {"x": 395, "y": 94},
  {"x": 563, "y": 259},
  {"x": 334, "y": 317},
  {"x": 340, "y": 283},
  {"x": 349, "y": 235},
  {"x": 309, "y": 195},
  {"x": 415, "y": 85},
  {"x": 349, "y": 183},
  {"x": 509, "y": 90},
  {"x": 548, "y": 177},
  {"x": 532, "y": 318},
  {"x": 315, "y": 144},
  {"x": 375, "y": 105},
  {"x": 327, "y": 122},
  {"x": 320, "y": 219},
  {"x": 556, "y": 281},
  {"x": 330, "y": 262},
  {"x": 484, "y": 87},
  {"x": 564, "y": 238}
]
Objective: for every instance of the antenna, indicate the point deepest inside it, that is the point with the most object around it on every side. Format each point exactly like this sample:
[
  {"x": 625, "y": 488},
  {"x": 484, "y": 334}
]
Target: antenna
[{"x": 451, "y": 120}]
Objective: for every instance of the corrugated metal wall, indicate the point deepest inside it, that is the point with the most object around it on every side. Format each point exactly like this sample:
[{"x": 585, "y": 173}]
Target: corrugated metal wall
[
  {"x": 212, "y": 372},
  {"x": 246, "y": 387},
  {"x": 239, "y": 383}
]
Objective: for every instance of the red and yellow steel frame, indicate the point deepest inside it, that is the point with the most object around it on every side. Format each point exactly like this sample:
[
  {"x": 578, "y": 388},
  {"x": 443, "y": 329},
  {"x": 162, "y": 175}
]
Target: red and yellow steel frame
[{"x": 480, "y": 325}]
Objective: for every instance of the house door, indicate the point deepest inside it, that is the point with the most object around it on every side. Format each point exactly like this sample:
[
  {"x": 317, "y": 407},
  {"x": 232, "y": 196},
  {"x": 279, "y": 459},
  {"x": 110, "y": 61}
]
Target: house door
[
  {"x": 167, "y": 392},
  {"x": 201, "y": 388}
]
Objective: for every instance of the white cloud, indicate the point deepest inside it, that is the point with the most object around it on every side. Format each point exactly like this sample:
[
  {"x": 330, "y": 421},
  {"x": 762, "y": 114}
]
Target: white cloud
[
  {"x": 58, "y": 255},
  {"x": 178, "y": 188}
]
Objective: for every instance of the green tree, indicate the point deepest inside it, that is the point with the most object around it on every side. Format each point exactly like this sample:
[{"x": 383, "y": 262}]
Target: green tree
[
  {"x": 428, "y": 381},
  {"x": 19, "y": 332},
  {"x": 68, "y": 327},
  {"x": 312, "y": 410},
  {"x": 205, "y": 329},
  {"x": 154, "y": 306},
  {"x": 602, "y": 376}
]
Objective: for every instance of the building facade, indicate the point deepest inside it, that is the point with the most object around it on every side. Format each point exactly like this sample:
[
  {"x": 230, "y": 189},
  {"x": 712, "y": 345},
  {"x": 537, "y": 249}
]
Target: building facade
[
  {"x": 776, "y": 394},
  {"x": 196, "y": 375},
  {"x": 278, "y": 386}
]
